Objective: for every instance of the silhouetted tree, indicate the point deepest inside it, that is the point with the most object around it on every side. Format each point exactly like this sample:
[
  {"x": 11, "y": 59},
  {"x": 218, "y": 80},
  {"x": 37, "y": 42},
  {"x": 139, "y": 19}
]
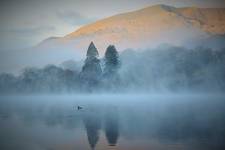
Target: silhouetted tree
[
  {"x": 92, "y": 51},
  {"x": 111, "y": 61},
  {"x": 91, "y": 71},
  {"x": 111, "y": 66}
]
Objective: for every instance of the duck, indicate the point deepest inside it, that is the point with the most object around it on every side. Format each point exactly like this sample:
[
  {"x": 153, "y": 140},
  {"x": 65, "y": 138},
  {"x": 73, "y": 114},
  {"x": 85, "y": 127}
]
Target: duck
[{"x": 79, "y": 107}]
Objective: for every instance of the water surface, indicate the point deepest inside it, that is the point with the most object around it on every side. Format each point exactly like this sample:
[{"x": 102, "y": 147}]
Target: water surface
[{"x": 112, "y": 122}]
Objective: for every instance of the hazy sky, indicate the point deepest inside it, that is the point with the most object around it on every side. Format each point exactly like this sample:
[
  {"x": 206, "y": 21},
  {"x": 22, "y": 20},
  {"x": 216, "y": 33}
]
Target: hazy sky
[{"x": 26, "y": 22}]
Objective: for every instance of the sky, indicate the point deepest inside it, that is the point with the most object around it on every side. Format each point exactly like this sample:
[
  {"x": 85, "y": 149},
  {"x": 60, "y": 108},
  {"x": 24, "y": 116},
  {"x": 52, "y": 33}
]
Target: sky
[{"x": 25, "y": 23}]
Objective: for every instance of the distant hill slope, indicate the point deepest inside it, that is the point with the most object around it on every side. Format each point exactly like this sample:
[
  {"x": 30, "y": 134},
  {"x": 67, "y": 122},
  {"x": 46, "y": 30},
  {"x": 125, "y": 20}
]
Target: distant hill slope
[
  {"x": 149, "y": 19},
  {"x": 149, "y": 27}
]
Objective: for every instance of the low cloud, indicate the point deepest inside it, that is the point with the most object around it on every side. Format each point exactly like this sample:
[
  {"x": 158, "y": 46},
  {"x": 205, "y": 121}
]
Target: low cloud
[
  {"x": 32, "y": 30},
  {"x": 74, "y": 18},
  {"x": 22, "y": 37}
]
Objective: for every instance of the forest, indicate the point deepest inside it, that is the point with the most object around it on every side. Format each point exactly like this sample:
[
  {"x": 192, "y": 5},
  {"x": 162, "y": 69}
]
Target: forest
[{"x": 163, "y": 69}]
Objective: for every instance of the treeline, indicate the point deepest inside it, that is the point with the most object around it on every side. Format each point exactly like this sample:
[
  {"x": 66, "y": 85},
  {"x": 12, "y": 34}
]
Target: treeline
[
  {"x": 165, "y": 68},
  {"x": 49, "y": 79},
  {"x": 94, "y": 76},
  {"x": 169, "y": 68}
]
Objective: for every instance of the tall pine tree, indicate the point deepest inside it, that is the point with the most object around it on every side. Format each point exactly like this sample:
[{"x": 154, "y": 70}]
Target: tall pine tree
[
  {"x": 91, "y": 71},
  {"x": 111, "y": 66},
  {"x": 112, "y": 62}
]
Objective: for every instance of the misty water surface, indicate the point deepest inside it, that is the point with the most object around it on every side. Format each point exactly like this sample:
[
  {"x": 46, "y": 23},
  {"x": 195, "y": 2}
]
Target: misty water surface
[{"x": 112, "y": 122}]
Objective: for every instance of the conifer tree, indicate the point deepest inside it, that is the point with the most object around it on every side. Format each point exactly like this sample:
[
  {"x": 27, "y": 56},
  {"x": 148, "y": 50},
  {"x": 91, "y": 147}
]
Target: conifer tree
[
  {"x": 91, "y": 71},
  {"x": 112, "y": 62}
]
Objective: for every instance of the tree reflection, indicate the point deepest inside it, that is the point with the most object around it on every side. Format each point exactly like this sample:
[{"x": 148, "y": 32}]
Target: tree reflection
[
  {"x": 92, "y": 124},
  {"x": 112, "y": 127}
]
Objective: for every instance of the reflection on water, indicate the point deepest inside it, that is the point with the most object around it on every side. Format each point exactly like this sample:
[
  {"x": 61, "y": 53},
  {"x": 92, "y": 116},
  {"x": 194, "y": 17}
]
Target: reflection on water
[
  {"x": 112, "y": 127},
  {"x": 123, "y": 123},
  {"x": 92, "y": 122}
]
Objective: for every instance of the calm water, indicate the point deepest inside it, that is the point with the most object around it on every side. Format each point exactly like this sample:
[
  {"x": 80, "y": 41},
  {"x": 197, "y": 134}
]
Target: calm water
[{"x": 112, "y": 122}]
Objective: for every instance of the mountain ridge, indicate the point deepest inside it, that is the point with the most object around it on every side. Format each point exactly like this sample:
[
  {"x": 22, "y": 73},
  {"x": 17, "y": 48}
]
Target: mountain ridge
[
  {"x": 186, "y": 12},
  {"x": 147, "y": 27}
]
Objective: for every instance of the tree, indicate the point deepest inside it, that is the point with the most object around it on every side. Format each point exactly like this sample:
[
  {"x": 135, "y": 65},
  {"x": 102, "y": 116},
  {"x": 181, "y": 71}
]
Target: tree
[
  {"x": 112, "y": 62},
  {"x": 111, "y": 66},
  {"x": 91, "y": 71},
  {"x": 8, "y": 83},
  {"x": 92, "y": 51}
]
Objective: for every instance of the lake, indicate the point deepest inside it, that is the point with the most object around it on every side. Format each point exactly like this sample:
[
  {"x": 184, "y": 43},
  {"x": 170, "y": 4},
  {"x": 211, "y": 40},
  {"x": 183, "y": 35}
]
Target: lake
[{"x": 120, "y": 122}]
